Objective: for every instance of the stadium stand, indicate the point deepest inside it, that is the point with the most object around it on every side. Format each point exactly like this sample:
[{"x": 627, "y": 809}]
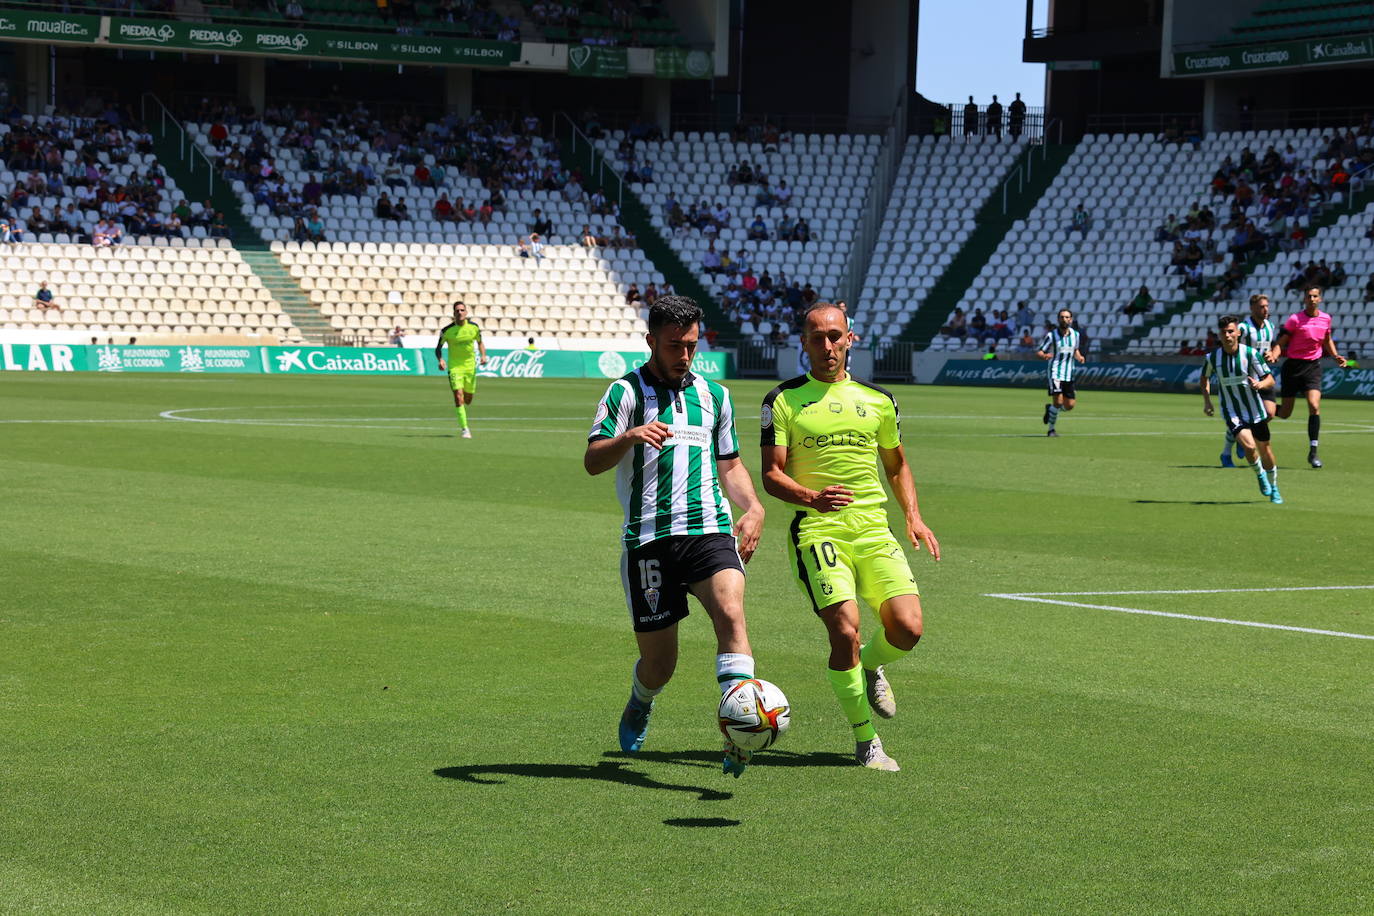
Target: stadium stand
[
  {"x": 367, "y": 289},
  {"x": 176, "y": 289},
  {"x": 812, "y": 187},
  {"x": 1128, "y": 186},
  {"x": 1282, "y": 20},
  {"x": 940, "y": 186}
]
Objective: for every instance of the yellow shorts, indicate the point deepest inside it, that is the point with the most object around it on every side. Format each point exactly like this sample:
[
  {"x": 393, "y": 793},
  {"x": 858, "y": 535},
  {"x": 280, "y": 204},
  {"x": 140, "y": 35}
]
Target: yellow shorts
[
  {"x": 847, "y": 555},
  {"x": 464, "y": 377}
]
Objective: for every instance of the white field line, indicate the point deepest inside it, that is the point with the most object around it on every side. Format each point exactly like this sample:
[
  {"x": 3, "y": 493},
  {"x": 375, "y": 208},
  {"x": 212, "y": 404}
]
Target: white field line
[{"x": 1039, "y": 598}]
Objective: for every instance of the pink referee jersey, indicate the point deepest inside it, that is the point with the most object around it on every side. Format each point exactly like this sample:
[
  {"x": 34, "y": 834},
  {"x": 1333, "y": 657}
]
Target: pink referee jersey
[{"x": 1306, "y": 334}]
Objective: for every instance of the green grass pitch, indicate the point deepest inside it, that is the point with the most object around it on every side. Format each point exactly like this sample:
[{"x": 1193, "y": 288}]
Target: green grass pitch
[{"x": 288, "y": 645}]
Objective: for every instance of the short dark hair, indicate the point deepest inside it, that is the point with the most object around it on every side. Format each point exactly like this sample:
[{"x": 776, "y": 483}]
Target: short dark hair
[
  {"x": 1224, "y": 320},
  {"x": 1311, "y": 286},
  {"x": 458, "y": 302},
  {"x": 679, "y": 311}
]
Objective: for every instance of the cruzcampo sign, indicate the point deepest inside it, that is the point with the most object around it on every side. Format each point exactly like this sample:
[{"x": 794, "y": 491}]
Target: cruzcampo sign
[
  {"x": 308, "y": 43},
  {"x": 26, "y": 26},
  {"x": 1311, "y": 52},
  {"x": 586, "y": 60}
]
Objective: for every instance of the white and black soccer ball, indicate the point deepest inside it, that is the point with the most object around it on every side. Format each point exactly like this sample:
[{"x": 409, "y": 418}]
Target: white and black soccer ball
[{"x": 754, "y": 714}]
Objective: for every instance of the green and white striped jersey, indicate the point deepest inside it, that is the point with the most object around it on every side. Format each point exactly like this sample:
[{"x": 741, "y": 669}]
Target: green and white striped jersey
[
  {"x": 1260, "y": 337},
  {"x": 1239, "y": 402},
  {"x": 1062, "y": 346},
  {"x": 673, "y": 490}
]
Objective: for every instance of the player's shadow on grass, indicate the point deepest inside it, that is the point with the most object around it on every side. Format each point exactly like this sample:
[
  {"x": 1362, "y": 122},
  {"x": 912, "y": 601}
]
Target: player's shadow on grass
[
  {"x": 1197, "y": 502},
  {"x": 606, "y": 771},
  {"x": 712, "y": 759}
]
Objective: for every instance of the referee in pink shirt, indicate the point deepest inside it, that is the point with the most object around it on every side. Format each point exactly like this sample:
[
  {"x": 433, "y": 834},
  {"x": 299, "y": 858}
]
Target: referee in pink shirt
[{"x": 1306, "y": 335}]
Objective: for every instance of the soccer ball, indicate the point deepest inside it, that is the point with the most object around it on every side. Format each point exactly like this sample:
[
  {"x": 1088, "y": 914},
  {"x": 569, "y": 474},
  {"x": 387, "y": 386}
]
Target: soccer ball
[{"x": 754, "y": 714}]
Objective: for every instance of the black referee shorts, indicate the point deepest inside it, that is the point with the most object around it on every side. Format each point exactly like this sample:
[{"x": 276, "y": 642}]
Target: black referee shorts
[{"x": 1300, "y": 376}]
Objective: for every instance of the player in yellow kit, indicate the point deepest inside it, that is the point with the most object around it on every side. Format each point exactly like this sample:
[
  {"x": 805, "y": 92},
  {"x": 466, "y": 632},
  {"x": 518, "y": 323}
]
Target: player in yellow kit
[
  {"x": 824, "y": 434},
  {"x": 464, "y": 340}
]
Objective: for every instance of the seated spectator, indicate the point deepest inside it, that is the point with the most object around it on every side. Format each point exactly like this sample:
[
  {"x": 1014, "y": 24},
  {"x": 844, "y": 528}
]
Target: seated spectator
[
  {"x": 1212, "y": 342},
  {"x": 632, "y": 295},
  {"x": 541, "y": 224},
  {"x": 391, "y": 175},
  {"x": 37, "y": 223},
  {"x": 802, "y": 231},
  {"x": 294, "y": 12},
  {"x": 443, "y": 209},
  {"x": 758, "y": 229},
  {"x": 786, "y": 225},
  {"x": 650, "y": 294},
  {"x": 1338, "y": 274},
  {"x": 422, "y": 176},
  {"x": 402, "y": 211},
  {"x": 588, "y": 238},
  {"x": 782, "y": 194},
  {"x": 43, "y": 298},
  {"x": 1001, "y": 327},
  {"x": 1079, "y": 221},
  {"x": 978, "y": 326},
  {"x": 314, "y": 226},
  {"x": 1141, "y": 304},
  {"x": 1168, "y": 230},
  {"x": 1025, "y": 318},
  {"x": 618, "y": 239},
  {"x": 298, "y": 231},
  {"x": 105, "y": 234},
  {"x": 1230, "y": 281},
  {"x": 10, "y": 231},
  {"x": 397, "y": 337},
  {"x": 532, "y": 246},
  {"x": 1369, "y": 289},
  {"x": 710, "y": 260},
  {"x": 219, "y": 227},
  {"x": 383, "y": 208},
  {"x": 1027, "y": 343}
]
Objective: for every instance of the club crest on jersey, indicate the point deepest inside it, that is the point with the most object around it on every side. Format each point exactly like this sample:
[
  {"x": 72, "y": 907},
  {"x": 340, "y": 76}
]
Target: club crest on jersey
[
  {"x": 859, "y": 409},
  {"x": 651, "y": 598},
  {"x": 836, "y": 407}
]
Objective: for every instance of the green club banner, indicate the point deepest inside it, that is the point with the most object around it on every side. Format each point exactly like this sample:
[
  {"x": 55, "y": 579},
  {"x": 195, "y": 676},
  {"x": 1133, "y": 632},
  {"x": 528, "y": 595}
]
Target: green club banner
[
  {"x": 287, "y": 42},
  {"x": 607, "y": 364},
  {"x": 679, "y": 63},
  {"x": 1312, "y": 52},
  {"x": 25, "y": 26},
  {"x": 610, "y": 63}
]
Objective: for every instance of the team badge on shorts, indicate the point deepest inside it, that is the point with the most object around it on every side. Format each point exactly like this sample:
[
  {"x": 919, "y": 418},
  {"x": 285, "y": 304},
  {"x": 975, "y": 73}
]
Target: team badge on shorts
[{"x": 651, "y": 598}]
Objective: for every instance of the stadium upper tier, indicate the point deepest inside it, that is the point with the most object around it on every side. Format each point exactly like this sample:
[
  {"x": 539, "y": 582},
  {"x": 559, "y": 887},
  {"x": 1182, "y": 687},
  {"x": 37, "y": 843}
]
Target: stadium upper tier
[
  {"x": 940, "y": 187},
  {"x": 367, "y": 290},
  {"x": 1279, "y": 20},
  {"x": 353, "y": 176},
  {"x": 139, "y": 290},
  {"x": 792, "y": 215},
  {"x": 1127, "y": 186}
]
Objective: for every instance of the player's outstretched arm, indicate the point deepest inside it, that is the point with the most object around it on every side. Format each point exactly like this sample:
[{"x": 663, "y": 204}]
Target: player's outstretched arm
[
  {"x": 904, "y": 488},
  {"x": 604, "y": 454},
  {"x": 780, "y": 485},
  {"x": 739, "y": 488}
]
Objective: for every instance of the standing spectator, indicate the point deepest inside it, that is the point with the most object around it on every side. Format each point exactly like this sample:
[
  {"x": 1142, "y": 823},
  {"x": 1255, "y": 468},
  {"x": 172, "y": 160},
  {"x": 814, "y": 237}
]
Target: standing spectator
[
  {"x": 43, "y": 298},
  {"x": 1016, "y": 117},
  {"x": 994, "y": 118},
  {"x": 970, "y": 118},
  {"x": 397, "y": 338}
]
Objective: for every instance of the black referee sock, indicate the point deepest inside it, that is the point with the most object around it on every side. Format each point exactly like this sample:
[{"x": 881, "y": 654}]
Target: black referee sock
[{"x": 1314, "y": 428}]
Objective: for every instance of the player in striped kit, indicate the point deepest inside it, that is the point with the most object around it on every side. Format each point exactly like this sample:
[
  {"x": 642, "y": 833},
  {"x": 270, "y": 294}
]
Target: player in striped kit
[
  {"x": 1241, "y": 374},
  {"x": 1060, "y": 348},
  {"x": 1256, "y": 331},
  {"x": 670, "y": 435}
]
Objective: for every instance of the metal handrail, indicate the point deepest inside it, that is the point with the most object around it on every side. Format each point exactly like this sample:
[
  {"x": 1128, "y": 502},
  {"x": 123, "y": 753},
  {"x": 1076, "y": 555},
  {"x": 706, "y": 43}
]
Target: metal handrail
[
  {"x": 595, "y": 161},
  {"x": 183, "y": 139},
  {"x": 1020, "y": 180}
]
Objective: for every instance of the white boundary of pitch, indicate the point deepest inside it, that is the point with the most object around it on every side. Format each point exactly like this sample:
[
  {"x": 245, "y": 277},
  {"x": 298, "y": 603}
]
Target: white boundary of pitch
[{"x": 1045, "y": 598}]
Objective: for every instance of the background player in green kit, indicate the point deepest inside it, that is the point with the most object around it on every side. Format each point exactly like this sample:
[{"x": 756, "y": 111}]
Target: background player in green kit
[
  {"x": 823, "y": 435},
  {"x": 464, "y": 340}
]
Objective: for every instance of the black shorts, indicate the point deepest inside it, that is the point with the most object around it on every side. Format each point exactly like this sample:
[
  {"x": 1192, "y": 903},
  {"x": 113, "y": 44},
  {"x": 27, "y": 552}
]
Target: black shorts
[
  {"x": 1064, "y": 388},
  {"x": 1301, "y": 376},
  {"x": 1271, "y": 393},
  {"x": 1259, "y": 430},
  {"x": 656, "y": 575}
]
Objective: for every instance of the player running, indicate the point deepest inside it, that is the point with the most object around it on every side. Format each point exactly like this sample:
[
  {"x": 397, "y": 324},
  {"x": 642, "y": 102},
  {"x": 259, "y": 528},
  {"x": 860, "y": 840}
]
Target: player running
[
  {"x": 1060, "y": 348},
  {"x": 823, "y": 434},
  {"x": 1255, "y": 331},
  {"x": 463, "y": 337},
  {"x": 670, "y": 435},
  {"x": 1306, "y": 335},
  {"x": 1242, "y": 374}
]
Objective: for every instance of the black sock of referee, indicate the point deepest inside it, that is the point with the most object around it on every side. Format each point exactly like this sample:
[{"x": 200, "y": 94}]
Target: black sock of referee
[{"x": 1314, "y": 428}]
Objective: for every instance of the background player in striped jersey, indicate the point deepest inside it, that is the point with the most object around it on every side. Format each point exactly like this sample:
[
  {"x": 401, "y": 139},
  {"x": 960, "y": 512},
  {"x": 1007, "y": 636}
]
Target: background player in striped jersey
[
  {"x": 1255, "y": 331},
  {"x": 670, "y": 435},
  {"x": 1241, "y": 374},
  {"x": 1306, "y": 335},
  {"x": 1060, "y": 347},
  {"x": 464, "y": 340},
  {"x": 823, "y": 435}
]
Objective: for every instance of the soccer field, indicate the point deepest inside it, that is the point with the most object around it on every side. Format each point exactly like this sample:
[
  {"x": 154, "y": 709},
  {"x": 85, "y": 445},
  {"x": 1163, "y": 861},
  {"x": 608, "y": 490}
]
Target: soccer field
[{"x": 289, "y": 645}]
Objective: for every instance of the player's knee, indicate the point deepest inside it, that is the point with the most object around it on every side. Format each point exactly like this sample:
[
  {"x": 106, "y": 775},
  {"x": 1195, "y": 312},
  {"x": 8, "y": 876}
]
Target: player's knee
[{"x": 844, "y": 634}]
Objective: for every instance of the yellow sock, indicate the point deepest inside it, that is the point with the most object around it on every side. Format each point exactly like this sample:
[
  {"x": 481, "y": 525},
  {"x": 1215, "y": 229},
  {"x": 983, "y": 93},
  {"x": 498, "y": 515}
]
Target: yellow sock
[
  {"x": 849, "y": 690},
  {"x": 880, "y": 652},
  {"x": 462, "y": 412}
]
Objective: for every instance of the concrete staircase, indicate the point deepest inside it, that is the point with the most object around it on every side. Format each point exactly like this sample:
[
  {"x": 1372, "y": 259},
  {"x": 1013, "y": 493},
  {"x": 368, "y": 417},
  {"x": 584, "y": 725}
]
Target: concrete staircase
[{"x": 314, "y": 327}]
